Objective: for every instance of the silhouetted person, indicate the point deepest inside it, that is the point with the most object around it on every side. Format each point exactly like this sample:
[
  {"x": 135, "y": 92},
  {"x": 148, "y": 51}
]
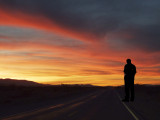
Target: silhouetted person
[{"x": 129, "y": 73}]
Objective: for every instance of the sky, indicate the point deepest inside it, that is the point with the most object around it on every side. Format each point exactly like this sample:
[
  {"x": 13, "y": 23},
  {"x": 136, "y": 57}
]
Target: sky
[{"x": 79, "y": 41}]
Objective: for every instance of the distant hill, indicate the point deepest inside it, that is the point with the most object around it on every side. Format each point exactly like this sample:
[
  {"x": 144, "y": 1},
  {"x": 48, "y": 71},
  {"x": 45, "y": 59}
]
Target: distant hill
[
  {"x": 15, "y": 82},
  {"x": 9, "y": 82}
]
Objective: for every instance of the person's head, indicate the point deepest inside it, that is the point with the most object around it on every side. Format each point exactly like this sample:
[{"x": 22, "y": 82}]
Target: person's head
[{"x": 128, "y": 61}]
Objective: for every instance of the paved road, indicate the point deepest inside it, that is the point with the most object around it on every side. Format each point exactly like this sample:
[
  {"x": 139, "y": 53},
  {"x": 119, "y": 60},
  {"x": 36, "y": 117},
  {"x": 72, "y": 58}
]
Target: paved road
[{"x": 100, "y": 105}]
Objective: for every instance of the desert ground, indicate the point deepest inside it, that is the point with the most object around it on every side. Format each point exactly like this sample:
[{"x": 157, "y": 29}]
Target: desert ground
[{"x": 78, "y": 103}]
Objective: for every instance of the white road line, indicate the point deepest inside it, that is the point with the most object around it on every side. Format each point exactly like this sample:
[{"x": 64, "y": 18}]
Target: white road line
[{"x": 135, "y": 117}]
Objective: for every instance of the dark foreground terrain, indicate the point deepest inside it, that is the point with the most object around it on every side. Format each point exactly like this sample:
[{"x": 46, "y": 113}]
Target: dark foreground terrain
[
  {"x": 147, "y": 101},
  {"x": 77, "y": 103},
  {"x": 18, "y": 99}
]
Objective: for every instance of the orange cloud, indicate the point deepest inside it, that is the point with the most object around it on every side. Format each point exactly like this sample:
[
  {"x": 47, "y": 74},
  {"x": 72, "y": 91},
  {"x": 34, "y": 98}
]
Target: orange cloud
[{"x": 17, "y": 18}]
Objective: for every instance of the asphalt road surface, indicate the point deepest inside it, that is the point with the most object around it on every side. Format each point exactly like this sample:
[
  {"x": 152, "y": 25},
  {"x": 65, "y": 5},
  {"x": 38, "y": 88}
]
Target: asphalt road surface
[{"x": 100, "y": 105}]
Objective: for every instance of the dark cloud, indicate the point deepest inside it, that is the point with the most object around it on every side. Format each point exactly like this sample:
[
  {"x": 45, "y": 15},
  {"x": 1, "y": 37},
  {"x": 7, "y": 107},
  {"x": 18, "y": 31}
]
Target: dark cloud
[
  {"x": 147, "y": 37},
  {"x": 141, "y": 37},
  {"x": 139, "y": 19}
]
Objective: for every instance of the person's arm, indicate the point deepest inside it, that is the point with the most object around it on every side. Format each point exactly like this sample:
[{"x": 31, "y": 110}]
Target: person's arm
[{"x": 134, "y": 70}]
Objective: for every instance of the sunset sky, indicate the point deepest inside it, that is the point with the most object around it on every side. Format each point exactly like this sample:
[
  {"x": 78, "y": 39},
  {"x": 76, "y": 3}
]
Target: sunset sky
[{"x": 79, "y": 41}]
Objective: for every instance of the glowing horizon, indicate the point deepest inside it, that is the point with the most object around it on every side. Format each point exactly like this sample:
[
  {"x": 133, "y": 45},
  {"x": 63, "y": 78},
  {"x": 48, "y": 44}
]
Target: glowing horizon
[{"x": 70, "y": 46}]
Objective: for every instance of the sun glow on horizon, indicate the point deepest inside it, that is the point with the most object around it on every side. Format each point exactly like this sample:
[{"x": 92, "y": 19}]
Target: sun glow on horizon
[{"x": 55, "y": 65}]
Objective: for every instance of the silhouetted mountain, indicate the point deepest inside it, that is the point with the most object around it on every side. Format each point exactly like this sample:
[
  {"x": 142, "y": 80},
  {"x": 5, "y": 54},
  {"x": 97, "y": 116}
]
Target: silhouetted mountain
[
  {"x": 78, "y": 85},
  {"x": 14, "y": 82}
]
